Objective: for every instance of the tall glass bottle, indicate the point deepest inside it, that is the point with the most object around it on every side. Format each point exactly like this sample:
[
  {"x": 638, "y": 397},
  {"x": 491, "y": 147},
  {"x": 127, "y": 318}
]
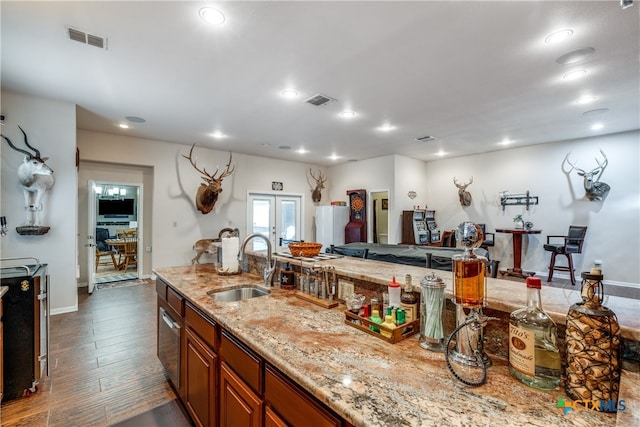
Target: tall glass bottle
[{"x": 534, "y": 358}]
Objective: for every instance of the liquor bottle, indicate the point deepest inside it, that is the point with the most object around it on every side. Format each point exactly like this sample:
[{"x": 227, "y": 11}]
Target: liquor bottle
[
  {"x": 409, "y": 300},
  {"x": 534, "y": 358}
]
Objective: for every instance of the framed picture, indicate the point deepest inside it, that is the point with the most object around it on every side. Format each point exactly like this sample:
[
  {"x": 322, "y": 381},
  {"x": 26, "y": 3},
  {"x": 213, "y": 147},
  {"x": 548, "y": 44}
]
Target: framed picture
[
  {"x": 385, "y": 204},
  {"x": 276, "y": 186}
]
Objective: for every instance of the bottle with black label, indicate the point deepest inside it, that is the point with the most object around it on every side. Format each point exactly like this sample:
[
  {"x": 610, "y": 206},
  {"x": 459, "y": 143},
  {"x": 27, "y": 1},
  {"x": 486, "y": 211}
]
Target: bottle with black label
[
  {"x": 409, "y": 300},
  {"x": 287, "y": 278}
]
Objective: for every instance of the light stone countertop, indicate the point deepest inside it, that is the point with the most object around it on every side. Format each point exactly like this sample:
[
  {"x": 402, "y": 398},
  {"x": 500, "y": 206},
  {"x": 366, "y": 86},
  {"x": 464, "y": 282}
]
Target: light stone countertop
[
  {"x": 3, "y": 290},
  {"x": 370, "y": 382}
]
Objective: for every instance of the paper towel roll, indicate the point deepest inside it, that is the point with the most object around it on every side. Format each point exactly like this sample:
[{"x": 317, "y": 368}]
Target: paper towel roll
[{"x": 230, "y": 248}]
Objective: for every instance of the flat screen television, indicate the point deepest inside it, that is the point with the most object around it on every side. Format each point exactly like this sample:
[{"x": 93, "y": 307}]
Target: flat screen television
[{"x": 112, "y": 207}]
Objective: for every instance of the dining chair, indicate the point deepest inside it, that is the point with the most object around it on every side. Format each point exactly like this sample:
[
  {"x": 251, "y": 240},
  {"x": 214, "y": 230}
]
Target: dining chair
[
  {"x": 488, "y": 239},
  {"x": 571, "y": 244},
  {"x": 104, "y": 250},
  {"x": 130, "y": 249}
]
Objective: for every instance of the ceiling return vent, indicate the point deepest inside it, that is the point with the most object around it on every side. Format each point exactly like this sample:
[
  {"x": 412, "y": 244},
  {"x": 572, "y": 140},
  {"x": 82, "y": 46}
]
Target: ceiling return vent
[
  {"x": 320, "y": 100},
  {"x": 425, "y": 138},
  {"x": 86, "y": 38}
]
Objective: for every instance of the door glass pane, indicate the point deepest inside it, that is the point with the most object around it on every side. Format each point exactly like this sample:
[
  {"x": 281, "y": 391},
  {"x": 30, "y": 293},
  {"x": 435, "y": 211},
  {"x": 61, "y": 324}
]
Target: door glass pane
[
  {"x": 261, "y": 211},
  {"x": 288, "y": 224}
]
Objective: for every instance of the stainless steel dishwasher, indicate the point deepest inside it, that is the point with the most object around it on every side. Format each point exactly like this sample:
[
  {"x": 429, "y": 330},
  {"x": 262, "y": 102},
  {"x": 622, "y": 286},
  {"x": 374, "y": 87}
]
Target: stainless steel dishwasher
[{"x": 169, "y": 345}]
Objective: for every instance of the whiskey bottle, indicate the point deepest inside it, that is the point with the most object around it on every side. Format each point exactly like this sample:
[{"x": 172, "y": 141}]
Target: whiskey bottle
[
  {"x": 409, "y": 300},
  {"x": 534, "y": 358}
]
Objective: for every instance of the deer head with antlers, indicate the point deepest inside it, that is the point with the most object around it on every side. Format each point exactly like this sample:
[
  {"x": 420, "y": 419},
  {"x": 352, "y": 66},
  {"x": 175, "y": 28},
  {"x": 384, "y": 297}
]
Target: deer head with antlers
[
  {"x": 316, "y": 193},
  {"x": 35, "y": 177},
  {"x": 595, "y": 190},
  {"x": 207, "y": 194},
  {"x": 463, "y": 195}
]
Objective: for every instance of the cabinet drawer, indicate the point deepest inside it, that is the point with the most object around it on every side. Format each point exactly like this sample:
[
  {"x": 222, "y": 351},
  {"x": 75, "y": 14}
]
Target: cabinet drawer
[
  {"x": 294, "y": 405},
  {"x": 246, "y": 364},
  {"x": 202, "y": 326},
  {"x": 161, "y": 289},
  {"x": 175, "y": 301}
]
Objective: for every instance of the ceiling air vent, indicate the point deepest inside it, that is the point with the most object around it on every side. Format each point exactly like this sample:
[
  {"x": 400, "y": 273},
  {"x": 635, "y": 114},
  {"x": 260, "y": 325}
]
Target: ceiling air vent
[
  {"x": 319, "y": 100},
  {"x": 425, "y": 138},
  {"x": 86, "y": 38}
]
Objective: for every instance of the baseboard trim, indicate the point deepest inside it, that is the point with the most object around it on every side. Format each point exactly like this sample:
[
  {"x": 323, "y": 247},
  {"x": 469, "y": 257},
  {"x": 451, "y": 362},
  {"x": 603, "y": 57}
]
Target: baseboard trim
[{"x": 62, "y": 310}]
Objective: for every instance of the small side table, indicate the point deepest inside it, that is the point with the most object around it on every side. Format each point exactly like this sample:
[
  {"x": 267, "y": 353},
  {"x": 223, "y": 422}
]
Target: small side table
[{"x": 517, "y": 234}]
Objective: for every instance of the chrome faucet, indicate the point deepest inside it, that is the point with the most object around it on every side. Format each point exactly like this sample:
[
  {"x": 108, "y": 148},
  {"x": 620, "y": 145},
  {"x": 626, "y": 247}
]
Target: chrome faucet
[{"x": 270, "y": 269}]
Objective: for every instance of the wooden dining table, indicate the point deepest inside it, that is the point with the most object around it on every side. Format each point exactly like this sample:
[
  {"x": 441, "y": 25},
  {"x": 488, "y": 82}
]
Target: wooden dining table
[
  {"x": 118, "y": 245},
  {"x": 517, "y": 234}
]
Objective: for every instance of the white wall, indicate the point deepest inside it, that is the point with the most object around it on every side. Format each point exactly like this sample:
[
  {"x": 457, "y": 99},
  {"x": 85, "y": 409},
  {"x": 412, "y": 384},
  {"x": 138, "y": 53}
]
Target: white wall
[
  {"x": 51, "y": 128},
  {"x": 175, "y": 223},
  {"x": 613, "y": 233}
]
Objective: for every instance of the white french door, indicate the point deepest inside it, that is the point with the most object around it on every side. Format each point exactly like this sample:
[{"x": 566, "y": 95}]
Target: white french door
[{"x": 275, "y": 216}]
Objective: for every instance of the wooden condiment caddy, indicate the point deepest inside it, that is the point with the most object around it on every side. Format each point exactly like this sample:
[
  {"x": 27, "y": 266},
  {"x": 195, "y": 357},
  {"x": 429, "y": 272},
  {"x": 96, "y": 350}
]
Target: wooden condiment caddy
[{"x": 396, "y": 334}]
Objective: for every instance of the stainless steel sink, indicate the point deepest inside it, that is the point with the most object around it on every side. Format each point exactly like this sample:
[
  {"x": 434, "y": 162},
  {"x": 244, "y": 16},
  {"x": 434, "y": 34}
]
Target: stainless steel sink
[{"x": 238, "y": 294}]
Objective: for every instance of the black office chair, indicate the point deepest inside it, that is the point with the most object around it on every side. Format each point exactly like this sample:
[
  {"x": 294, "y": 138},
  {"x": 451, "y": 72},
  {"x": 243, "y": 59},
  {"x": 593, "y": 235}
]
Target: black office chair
[
  {"x": 488, "y": 239},
  {"x": 571, "y": 244}
]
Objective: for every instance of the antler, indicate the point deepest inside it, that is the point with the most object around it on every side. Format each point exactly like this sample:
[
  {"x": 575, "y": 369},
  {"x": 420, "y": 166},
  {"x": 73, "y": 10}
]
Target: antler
[
  {"x": 463, "y": 186},
  {"x": 572, "y": 165},
  {"x": 321, "y": 179},
  {"x": 16, "y": 148},
  {"x": 35, "y": 150},
  {"x": 605, "y": 163},
  {"x": 207, "y": 177},
  {"x": 226, "y": 171}
]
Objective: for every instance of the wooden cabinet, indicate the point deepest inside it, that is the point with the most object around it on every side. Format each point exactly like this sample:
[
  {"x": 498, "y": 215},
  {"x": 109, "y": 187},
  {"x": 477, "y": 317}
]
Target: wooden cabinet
[
  {"x": 239, "y": 405},
  {"x": 408, "y": 237},
  {"x": 201, "y": 367},
  {"x": 292, "y": 405},
  {"x": 241, "y": 384}
]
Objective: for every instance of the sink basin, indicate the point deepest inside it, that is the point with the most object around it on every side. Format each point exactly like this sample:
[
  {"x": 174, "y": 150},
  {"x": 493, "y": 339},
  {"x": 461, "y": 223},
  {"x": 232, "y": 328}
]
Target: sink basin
[{"x": 238, "y": 294}]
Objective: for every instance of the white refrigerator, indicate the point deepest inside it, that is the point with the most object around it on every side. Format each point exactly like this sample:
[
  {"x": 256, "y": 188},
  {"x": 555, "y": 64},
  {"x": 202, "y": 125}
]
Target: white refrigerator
[{"x": 330, "y": 224}]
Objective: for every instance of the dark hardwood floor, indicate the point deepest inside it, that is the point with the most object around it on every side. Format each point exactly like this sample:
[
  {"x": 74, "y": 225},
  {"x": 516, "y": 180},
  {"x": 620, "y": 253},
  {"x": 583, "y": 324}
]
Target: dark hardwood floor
[{"x": 103, "y": 364}]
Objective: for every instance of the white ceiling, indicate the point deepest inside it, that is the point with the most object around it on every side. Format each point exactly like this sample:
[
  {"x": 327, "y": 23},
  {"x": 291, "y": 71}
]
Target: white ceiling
[{"x": 470, "y": 73}]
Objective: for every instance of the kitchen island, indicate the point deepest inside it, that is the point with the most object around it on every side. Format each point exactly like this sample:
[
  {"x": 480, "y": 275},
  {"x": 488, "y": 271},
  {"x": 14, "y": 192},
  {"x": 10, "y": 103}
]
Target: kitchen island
[{"x": 369, "y": 382}]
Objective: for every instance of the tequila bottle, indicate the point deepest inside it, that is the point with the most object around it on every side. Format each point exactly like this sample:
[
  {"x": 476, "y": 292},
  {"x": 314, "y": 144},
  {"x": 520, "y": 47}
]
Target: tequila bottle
[{"x": 534, "y": 358}]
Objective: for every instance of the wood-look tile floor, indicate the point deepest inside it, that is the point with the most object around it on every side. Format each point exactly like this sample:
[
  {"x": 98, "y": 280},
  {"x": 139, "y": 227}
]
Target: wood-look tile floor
[{"x": 103, "y": 365}]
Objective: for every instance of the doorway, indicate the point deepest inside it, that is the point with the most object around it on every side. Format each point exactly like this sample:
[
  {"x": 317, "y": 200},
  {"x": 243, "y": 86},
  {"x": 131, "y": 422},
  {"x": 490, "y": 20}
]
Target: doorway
[
  {"x": 274, "y": 216},
  {"x": 380, "y": 216},
  {"x": 114, "y": 232}
]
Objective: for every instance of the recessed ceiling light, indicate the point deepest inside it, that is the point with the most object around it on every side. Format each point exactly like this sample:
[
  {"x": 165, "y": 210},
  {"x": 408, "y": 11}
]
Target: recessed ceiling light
[
  {"x": 585, "y": 100},
  {"x": 386, "y": 127},
  {"x": 211, "y": 15},
  {"x": 289, "y": 93},
  {"x": 575, "y": 56},
  {"x": 597, "y": 126},
  {"x": 348, "y": 114},
  {"x": 301, "y": 151},
  {"x": 135, "y": 119},
  {"x": 440, "y": 153},
  {"x": 573, "y": 75},
  {"x": 334, "y": 156},
  {"x": 558, "y": 36},
  {"x": 218, "y": 135},
  {"x": 124, "y": 126},
  {"x": 505, "y": 141}
]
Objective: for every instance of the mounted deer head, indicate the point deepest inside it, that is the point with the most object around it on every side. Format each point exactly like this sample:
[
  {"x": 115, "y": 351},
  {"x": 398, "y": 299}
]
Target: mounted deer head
[
  {"x": 207, "y": 194},
  {"x": 316, "y": 194},
  {"x": 463, "y": 195},
  {"x": 35, "y": 177},
  {"x": 595, "y": 190}
]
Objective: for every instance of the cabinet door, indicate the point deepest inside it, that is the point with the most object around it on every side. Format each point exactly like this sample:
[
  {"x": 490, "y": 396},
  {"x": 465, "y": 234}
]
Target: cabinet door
[
  {"x": 271, "y": 419},
  {"x": 200, "y": 383},
  {"x": 239, "y": 405}
]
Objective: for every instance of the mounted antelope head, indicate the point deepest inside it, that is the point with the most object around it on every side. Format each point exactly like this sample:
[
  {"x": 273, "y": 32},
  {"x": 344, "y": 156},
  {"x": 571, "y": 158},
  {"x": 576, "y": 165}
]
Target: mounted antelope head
[
  {"x": 463, "y": 195},
  {"x": 207, "y": 194},
  {"x": 35, "y": 177},
  {"x": 595, "y": 190},
  {"x": 316, "y": 194}
]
